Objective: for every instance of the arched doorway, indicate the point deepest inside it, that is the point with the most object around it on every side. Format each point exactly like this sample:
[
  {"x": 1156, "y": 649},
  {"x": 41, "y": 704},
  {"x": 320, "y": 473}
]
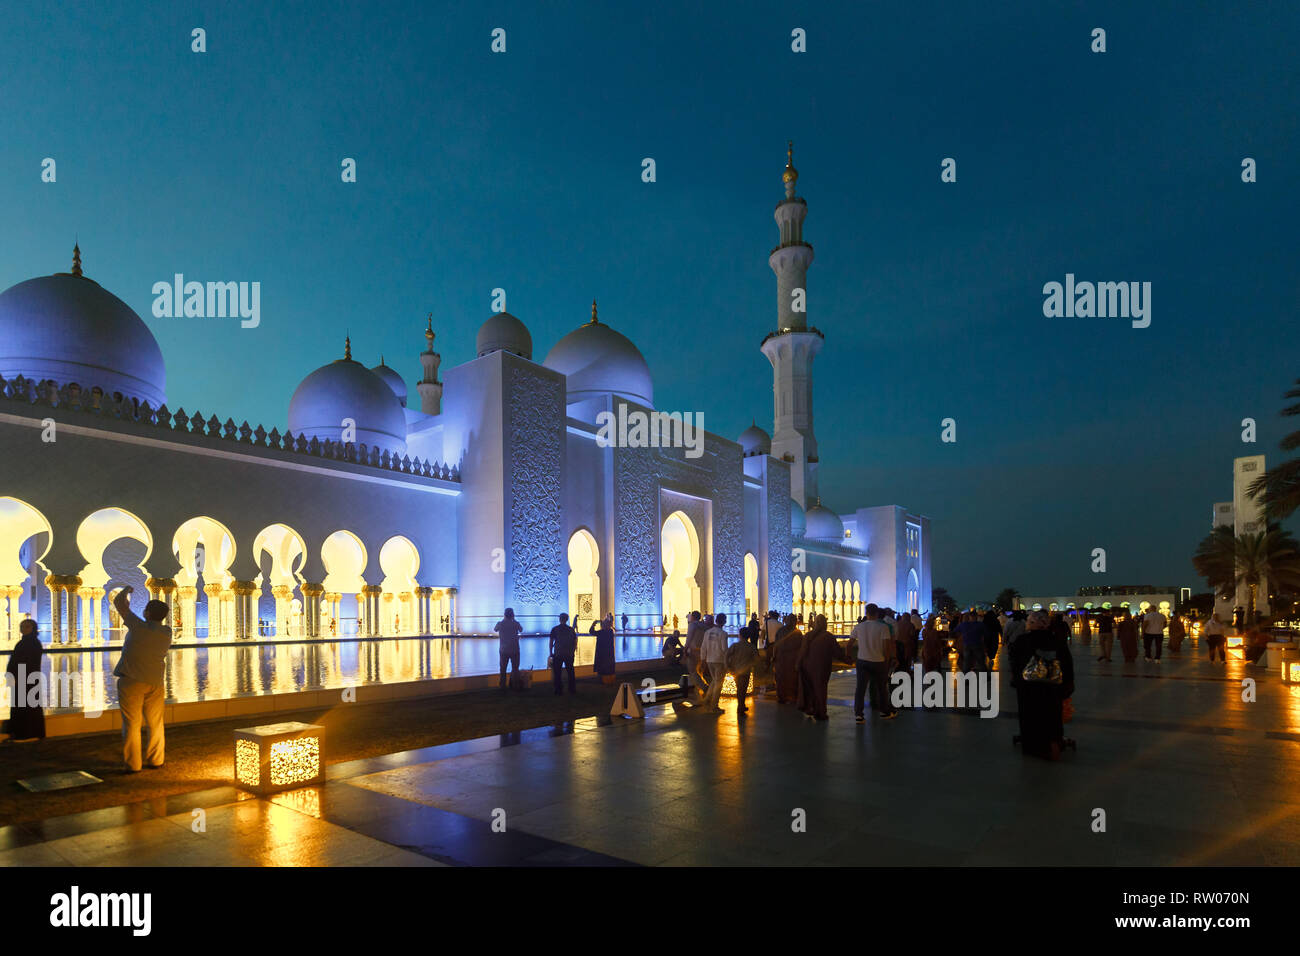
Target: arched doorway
[
  {"x": 584, "y": 577},
  {"x": 344, "y": 557},
  {"x": 751, "y": 585},
  {"x": 399, "y": 559},
  {"x": 115, "y": 544},
  {"x": 205, "y": 604},
  {"x": 680, "y": 551},
  {"x": 281, "y": 553},
  {"x": 913, "y": 591},
  {"x": 25, "y": 537}
]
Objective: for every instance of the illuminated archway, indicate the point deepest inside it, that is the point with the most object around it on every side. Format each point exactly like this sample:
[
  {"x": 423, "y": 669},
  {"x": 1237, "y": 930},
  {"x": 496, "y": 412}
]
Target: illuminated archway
[
  {"x": 913, "y": 591},
  {"x": 344, "y": 557},
  {"x": 399, "y": 559},
  {"x": 680, "y": 552},
  {"x": 288, "y": 553},
  {"x": 205, "y": 550},
  {"x": 19, "y": 524},
  {"x": 751, "y": 585},
  {"x": 100, "y": 530},
  {"x": 584, "y": 576},
  {"x": 796, "y": 588},
  {"x": 857, "y": 600}
]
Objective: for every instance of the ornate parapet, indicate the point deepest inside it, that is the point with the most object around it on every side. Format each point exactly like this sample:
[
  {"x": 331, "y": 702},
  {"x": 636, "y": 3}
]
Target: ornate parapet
[{"x": 98, "y": 404}]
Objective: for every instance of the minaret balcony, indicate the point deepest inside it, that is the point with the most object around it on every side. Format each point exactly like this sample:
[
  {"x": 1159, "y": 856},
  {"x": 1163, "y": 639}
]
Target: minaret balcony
[
  {"x": 811, "y": 330},
  {"x": 791, "y": 245}
]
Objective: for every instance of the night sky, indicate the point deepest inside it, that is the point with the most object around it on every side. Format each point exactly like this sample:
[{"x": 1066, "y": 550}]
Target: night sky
[{"x": 523, "y": 171}]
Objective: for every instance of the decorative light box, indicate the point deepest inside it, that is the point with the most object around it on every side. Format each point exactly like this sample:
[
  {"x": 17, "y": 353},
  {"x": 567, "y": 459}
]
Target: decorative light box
[
  {"x": 1291, "y": 667},
  {"x": 729, "y": 685},
  {"x": 277, "y": 757}
]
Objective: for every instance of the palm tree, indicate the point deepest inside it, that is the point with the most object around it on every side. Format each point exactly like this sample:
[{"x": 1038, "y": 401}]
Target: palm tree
[
  {"x": 1278, "y": 489},
  {"x": 1006, "y": 598},
  {"x": 1250, "y": 560}
]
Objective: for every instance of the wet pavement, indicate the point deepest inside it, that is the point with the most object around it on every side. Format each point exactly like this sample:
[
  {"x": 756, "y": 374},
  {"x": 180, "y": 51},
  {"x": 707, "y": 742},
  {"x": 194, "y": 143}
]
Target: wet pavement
[{"x": 1187, "y": 768}]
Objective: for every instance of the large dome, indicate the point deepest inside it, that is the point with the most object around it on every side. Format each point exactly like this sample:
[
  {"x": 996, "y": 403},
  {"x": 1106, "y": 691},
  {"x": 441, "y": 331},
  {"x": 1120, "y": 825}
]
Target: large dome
[
  {"x": 69, "y": 328},
  {"x": 347, "y": 389},
  {"x": 598, "y": 361},
  {"x": 502, "y": 332},
  {"x": 393, "y": 379},
  {"x": 823, "y": 525}
]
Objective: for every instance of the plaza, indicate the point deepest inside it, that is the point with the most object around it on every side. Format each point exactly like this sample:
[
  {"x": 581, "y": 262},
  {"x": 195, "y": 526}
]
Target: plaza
[{"x": 1186, "y": 772}]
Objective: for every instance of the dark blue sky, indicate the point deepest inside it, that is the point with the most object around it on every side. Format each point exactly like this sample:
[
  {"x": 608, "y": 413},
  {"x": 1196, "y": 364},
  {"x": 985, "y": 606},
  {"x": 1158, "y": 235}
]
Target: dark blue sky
[{"x": 522, "y": 171}]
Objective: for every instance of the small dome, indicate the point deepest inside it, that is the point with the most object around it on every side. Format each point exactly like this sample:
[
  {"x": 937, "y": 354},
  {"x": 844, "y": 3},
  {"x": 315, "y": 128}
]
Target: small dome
[
  {"x": 502, "y": 332},
  {"x": 798, "y": 521},
  {"x": 69, "y": 328},
  {"x": 393, "y": 380},
  {"x": 822, "y": 524},
  {"x": 598, "y": 361},
  {"x": 347, "y": 389},
  {"x": 755, "y": 441}
]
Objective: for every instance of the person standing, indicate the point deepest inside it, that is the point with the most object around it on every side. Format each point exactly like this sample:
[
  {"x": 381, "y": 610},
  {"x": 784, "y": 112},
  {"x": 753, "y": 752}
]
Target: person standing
[
  {"x": 934, "y": 649},
  {"x": 1041, "y": 702},
  {"x": 713, "y": 651},
  {"x": 1127, "y": 632},
  {"x": 694, "y": 637},
  {"x": 1177, "y": 633},
  {"x": 141, "y": 674},
  {"x": 623, "y": 621},
  {"x": 875, "y": 656},
  {"x": 1105, "y": 633},
  {"x": 1153, "y": 633},
  {"x": 564, "y": 644},
  {"x": 740, "y": 659},
  {"x": 26, "y": 723},
  {"x": 971, "y": 633},
  {"x": 904, "y": 640},
  {"x": 815, "y": 663},
  {"x": 771, "y": 628},
  {"x": 604, "y": 631},
  {"x": 508, "y": 631},
  {"x": 1215, "y": 637},
  {"x": 992, "y": 636},
  {"x": 785, "y": 657}
]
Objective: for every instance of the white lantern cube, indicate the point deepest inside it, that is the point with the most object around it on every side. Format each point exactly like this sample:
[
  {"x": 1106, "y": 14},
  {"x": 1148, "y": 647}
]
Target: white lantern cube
[{"x": 277, "y": 757}]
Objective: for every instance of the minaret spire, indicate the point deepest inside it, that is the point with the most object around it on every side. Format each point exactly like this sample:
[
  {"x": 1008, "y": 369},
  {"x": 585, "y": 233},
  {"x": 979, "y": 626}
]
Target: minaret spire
[
  {"x": 793, "y": 346},
  {"x": 76, "y": 258},
  {"x": 347, "y": 347},
  {"x": 429, "y": 387}
]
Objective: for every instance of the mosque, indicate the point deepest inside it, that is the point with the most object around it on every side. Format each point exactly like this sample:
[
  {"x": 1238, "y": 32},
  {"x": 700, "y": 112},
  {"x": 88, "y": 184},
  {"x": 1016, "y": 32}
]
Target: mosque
[{"x": 372, "y": 511}]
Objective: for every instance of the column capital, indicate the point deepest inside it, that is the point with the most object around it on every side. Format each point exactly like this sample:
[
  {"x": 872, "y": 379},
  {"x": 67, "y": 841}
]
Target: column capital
[
  {"x": 244, "y": 587},
  {"x": 312, "y": 589},
  {"x": 372, "y": 589}
]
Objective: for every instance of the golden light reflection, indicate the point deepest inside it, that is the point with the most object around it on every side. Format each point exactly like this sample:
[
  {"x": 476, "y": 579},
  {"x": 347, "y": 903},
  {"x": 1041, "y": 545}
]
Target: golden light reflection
[
  {"x": 729, "y": 685},
  {"x": 248, "y": 763}
]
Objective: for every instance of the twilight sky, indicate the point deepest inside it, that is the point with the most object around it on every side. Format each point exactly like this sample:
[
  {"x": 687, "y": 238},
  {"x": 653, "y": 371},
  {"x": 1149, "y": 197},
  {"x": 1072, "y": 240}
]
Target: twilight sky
[{"x": 523, "y": 171}]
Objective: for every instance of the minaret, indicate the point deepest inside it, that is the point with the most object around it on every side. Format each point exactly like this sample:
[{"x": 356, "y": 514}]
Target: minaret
[
  {"x": 429, "y": 387},
  {"x": 794, "y": 344}
]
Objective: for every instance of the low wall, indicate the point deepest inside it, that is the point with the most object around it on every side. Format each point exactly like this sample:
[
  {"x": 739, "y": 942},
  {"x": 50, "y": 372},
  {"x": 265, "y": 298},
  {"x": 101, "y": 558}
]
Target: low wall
[{"x": 77, "y": 725}]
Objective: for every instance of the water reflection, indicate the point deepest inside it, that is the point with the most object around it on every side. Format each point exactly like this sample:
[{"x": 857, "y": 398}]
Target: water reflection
[{"x": 220, "y": 673}]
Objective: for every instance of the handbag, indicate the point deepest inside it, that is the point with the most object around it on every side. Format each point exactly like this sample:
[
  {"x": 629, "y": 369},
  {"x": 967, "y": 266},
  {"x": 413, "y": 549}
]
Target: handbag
[{"x": 1043, "y": 668}]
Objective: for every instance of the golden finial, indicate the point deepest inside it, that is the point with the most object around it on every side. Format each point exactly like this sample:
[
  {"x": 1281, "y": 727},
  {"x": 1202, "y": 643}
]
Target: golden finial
[
  {"x": 76, "y": 259},
  {"x": 594, "y": 320},
  {"x": 428, "y": 333},
  {"x": 347, "y": 347},
  {"x": 791, "y": 175}
]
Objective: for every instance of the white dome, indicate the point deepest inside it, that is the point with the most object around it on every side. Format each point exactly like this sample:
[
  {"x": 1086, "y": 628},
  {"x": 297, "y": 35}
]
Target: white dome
[
  {"x": 347, "y": 389},
  {"x": 502, "y": 332},
  {"x": 754, "y": 441},
  {"x": 798, "y": 521},
  {"x": 823, "y": 525},
  {"x": 598, "y": 361},
  {"x": 69, "y": 328},
  {"x": 393, "y": 379}
]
